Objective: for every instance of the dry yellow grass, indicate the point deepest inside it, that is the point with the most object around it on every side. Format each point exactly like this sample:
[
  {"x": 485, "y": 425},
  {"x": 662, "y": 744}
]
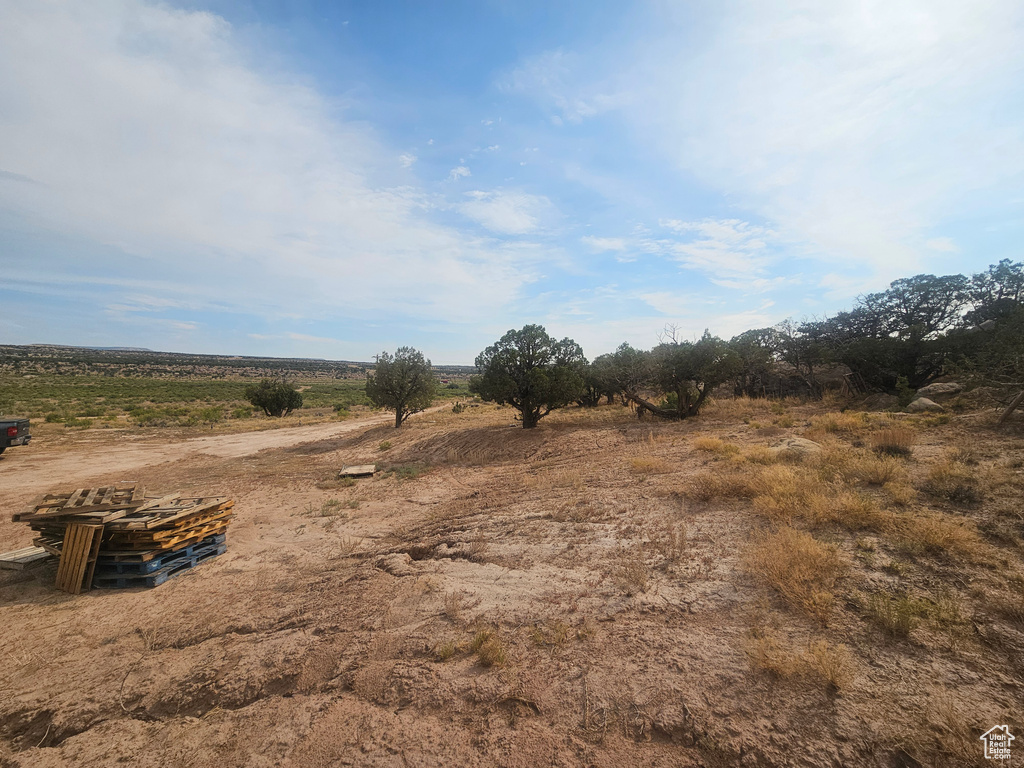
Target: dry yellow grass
[
  {"x": 831, "y": 664},
  {"x": 799, "y": 567},
  {"x": 852, "y": 421},
  {"x": 759, "y": 454},
  {"x": 828, "y": 664},
  {"x": 893, "y": 441},
  {"x": 954, "y": 482},
  {"x": 649, "y": 465},
  {"x": 730, "y": 484},
  {"x": 716, "y": 446},
  {"x": 936, "y": 534},
  {"x": 876, "y": 470}
]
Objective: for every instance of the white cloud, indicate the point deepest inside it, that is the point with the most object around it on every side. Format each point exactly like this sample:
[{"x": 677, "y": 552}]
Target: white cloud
[
  {"x": 507, "y": 212},
  {"x": 855, "y": 128},
  {"x": 165, "y": 153},
  {"x": 867, "y": 126},
  {"x": 603, "y": 244},
  {"x": 458, "y": 173},
  {"x": 407, "y": 159},
  {"x": 554, "y": 78}
]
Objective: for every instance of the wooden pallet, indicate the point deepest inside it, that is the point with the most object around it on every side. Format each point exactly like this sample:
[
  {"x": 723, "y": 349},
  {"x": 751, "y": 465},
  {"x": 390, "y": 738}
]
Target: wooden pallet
[
  {"x": 155, "y": 561},
  {"x": 158, "y": 577},
  {"x": 84, "y": 501},
  {"x": 23, "y": 558},
  {"x": 78, "y": 557},
  {"x": 165, "y": 539},
  {"x": 172, "y": 512}
]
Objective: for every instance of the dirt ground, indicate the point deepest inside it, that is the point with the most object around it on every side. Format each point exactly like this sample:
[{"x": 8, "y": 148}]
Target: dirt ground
[{"x": 571, "y": 595}]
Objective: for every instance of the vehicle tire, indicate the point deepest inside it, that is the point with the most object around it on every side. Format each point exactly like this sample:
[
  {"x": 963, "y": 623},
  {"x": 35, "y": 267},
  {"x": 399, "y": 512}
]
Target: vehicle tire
[{"x": 3, "y": 448}]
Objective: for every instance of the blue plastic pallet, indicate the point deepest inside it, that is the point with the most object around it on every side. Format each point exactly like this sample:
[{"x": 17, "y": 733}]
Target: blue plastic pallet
[
  {"x": 156, "y": 578},
  {"x": 110, "y": 566}
]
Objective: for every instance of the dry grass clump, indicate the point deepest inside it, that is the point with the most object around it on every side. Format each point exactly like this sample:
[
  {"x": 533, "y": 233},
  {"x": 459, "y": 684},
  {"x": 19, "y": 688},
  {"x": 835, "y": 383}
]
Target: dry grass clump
[
  {"x": 786, "y": 494},
  {"x": 954, "y": 482},
  {"x": 649, "y": 465},
  {"x": 799, "y": 567},
  {"x": 669, "y": 540},
  {"x": 633, "y": 574},
  {"x": 830, "y": 664},
  {"x": 489, "y": 648},
  {"x": 759, "y": 454},
  {"x": 555, "y": 478},
  {"x": 831, "y": 423},
  {"x": 898, "y": 616},
  {"x": 877, "y": 470},
  {"x": 938, "y": 535},
  {"x": 716, "y": 446},
  {"x": 893, "y": 441},
  {"x": 706, "y": 486},
  {"x": 767, "y": 654},
  {"x": 899, "y": 493}
]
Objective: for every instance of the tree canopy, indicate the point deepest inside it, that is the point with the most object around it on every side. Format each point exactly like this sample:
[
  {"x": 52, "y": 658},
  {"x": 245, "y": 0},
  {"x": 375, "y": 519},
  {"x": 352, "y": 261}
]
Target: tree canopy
[
  {"x": 275, "y": 398},
  {"x": 403, "y": 383},
  {"x": 532, "y": 372}
]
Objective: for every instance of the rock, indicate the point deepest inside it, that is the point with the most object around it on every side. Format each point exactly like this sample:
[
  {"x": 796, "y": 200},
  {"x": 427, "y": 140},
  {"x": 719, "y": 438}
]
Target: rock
[
  {"x": 945, "y": 389},
  {"x": 880, "y": 402},
  {"x": 797, "y": 446},
  {"x": 924, "y": 405},
  {"x": 397, "y": 564}
]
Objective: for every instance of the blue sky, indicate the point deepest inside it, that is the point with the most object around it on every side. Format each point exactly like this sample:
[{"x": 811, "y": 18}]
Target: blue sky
[{"x": 332, "y": 179}]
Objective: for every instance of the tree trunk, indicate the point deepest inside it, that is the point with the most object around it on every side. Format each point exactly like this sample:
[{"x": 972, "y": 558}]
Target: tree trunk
[
  {"x": 1010, "y": 409},
  {"x": 398, "y": 418},
  {"x": 530, "y": 419}
]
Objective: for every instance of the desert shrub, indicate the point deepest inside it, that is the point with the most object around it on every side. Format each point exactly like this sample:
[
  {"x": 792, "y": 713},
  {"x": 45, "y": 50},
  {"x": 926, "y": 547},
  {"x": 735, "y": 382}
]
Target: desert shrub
[
  {"x": 799, "y": 567},
  {"x": 54, "y": 418},
  {"x": 953, "y": 482},
  {"x": 211, "y": 415},
  {"x": 938, "y": 535},
  {"x": 241, "y": 412},
  {"x": 893, "y": 441}
]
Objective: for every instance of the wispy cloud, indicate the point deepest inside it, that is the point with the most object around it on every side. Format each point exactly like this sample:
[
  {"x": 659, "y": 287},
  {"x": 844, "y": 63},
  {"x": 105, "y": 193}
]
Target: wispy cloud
[
  {"x": 159, "y": 146},
  {"x": 506, "y": 212}
]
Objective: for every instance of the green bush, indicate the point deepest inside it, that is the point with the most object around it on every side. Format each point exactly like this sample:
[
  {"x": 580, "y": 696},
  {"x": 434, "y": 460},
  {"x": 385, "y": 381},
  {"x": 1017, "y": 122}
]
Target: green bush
[{"x": 275, "y": 398}]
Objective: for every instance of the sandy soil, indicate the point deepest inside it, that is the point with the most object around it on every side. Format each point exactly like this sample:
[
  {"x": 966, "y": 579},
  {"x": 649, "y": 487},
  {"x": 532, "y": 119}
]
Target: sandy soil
[{"x": 499, "y": 597}]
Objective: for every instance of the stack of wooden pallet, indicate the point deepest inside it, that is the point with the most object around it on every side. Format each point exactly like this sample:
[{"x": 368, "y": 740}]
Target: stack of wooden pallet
[{"x": 114, "y": 536}]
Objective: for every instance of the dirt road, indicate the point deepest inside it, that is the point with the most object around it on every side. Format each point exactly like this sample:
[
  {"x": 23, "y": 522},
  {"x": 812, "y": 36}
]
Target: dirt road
[{"x": 35, "y": 472}]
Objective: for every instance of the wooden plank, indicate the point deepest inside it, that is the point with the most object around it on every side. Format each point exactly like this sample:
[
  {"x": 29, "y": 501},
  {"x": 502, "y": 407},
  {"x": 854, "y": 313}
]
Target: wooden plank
[
  {"x": 23, "y": 558},
  {"x": 75, "y": 554},
  {"x": 362, "y": 470},
  {"x": 76, "y": 497}
]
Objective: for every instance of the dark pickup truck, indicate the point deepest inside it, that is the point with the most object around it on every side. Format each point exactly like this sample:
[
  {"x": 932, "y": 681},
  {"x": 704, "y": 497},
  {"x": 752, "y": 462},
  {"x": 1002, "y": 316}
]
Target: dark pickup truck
[{"x": 13, "y": 432}]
